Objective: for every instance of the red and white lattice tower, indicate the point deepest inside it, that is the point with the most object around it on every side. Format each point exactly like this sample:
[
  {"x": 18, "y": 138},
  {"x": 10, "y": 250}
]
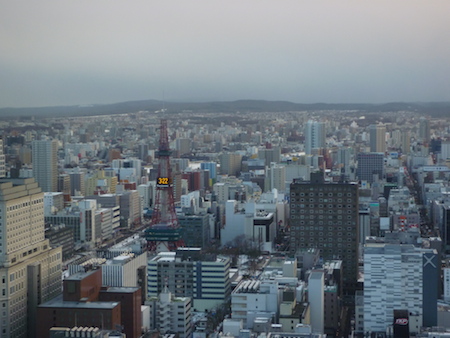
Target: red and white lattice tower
[{"x": 164, "y": 232}]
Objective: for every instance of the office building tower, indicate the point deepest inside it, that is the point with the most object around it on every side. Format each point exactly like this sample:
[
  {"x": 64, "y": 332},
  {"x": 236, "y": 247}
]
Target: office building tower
[
  {"x": 399, "y": 277},
  {"x": 143, "y": 152},
  {"x": 45, "y": 164},
  {"x": 128, "y": 170},
  {"x": 2, "y": 160},
  {"x": 196, "y": 179},
  {"x": 406, "y": 141},
  {"x": 170, "y": 314},
  {"x": 344, "y": 155},
  {"x": 314, "y": 136},
  {"x": 325, "y": 216},
  {"x": 124, "y": 270},
  {"x": 147, "y": 194},
  {"x": 230, "y": 164},
  {"x": 195, "y": 230},
  {"x": 424, "y": 130},
  {"x": 64, "y": 185},
  {"x": 30, "y": 270},
  {"x": 444, "y": 227},
  {"x": 270, "y": 155},
  {"x": 370, "y": 164},
  {"x": 189, "y": 273},
  {"x": 81, "y": 218},
  {"x": 130, "y": 208},
  {"x": 445, "y": 150},
  {"x": 183, "y": 146},
  {"x": 276, "y": 177},
  {"x": 378, "y": 138},
  {"x": 212, "y": 167},
  {"x": 100, "y": 182},
  {"x": 316, "y": 284},
  {"x": 446, "y": 279},
  {"x": 77, "y": 182},
  {"x": 61, "y": 236}
]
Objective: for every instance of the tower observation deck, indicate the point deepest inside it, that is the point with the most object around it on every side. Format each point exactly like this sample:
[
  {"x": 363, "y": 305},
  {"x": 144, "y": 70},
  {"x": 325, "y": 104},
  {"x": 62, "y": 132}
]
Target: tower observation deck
[{"x": 164, "y": 233}]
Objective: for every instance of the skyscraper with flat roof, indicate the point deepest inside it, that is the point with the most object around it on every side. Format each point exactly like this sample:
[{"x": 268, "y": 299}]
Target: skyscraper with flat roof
[
  {"x": 2, "y": 160},
  {"x": 399, "y": 277},
  {"x": 378, "y": 138},
  {"x": 314, "y": 135},
  {"x": 325, "y": 216},
  {"x": 45, "y": 164},
  {"x": 370, "y": 164},
  {"x": 30, "y": 271}
]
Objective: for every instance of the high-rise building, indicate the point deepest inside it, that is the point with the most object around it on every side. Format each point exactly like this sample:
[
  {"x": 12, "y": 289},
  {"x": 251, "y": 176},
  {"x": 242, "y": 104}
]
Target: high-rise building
[
  {"x": 45, "y": 164},
  {"x": 316, "y": 290},
  {"x": 378, "y": 138},
  {"x": 230, "y": 164},
  {"x": 399, "y": 277},
  {"x": 212, "y": 167},
  {"x": 446, "y": 279},
  {"x": 277, "y": 177},
  {"x": 325, "y": 216},
  {"x": 314, "y": 135},
  {"x": 183, "y": 146},
  {"x": 128, "y": 170},
  {"x": 343, "y": 160},
  {"x": 30, "y": 270},
  {"x": 424, "y": 130},
  {"x": 270, "y": 155},
  {"x": 406, "y": 142},
  {"x": 445, "y": 150},
  {"x": 169, "y": 314},
  {"x": 77, "y": 182},
  {"x": 188, "y": 273},
  {"x": 2, "y": 160},
  {"x": 370, "y": 164},
  {"x": 195, "y": 229}
]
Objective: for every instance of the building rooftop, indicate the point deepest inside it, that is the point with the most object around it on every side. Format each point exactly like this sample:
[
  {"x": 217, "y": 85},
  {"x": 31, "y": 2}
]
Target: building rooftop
[
  {"x": 80, "y": 275},
  {"x": 58, "y": 302},
  {"x": 117, "y": 289}
]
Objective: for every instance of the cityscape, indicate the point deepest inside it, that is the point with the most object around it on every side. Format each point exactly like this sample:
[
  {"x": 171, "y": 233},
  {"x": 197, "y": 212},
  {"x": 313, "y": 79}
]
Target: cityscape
[
  {"x": 196, "y": 223},
  {"x": 224, "y": 169}
]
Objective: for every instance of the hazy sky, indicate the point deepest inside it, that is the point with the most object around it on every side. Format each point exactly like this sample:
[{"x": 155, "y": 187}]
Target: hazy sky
[{"x": 55, "y": 52}]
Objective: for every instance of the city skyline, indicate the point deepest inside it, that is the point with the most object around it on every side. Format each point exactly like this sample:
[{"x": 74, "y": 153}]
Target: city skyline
[{"x": 101, "y": 52}]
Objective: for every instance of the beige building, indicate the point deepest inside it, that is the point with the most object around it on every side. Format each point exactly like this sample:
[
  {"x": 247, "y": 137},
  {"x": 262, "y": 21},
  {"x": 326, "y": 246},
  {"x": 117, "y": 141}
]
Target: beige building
[
  {"x": 99, "y": 181},
  {"x": 230, "y": 164},
  {"x": 378, "y": 138},
  {"x": 30, "y": 271}
]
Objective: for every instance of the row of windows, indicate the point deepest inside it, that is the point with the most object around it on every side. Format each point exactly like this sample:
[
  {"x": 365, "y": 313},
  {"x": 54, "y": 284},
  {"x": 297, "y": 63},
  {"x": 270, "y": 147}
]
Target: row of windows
[
  {"x": 322, "y": 200},
  {"x": 321, "y": 239},
  {"x": 332, "y": 225},
  {"x": 23, "y": 205},
  {"x": 320, "y": 211},
  {"x": 330, "y": 229}
]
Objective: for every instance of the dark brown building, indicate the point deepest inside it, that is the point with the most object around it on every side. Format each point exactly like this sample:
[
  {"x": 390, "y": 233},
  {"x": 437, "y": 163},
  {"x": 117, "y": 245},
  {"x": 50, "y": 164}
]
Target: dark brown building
[
  {"x": 325, "y": 216},
  {"x": 130, "y": 300},
  {"x": 57, "y": 313},
  {"x": 86, "y": 303}
]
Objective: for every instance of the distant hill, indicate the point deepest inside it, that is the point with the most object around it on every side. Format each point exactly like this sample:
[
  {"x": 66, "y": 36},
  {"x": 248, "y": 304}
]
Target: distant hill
[{"x": 428, "y": 108}]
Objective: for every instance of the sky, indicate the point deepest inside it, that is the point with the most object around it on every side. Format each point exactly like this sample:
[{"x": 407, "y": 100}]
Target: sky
[{"x": 55, "y": 52}]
